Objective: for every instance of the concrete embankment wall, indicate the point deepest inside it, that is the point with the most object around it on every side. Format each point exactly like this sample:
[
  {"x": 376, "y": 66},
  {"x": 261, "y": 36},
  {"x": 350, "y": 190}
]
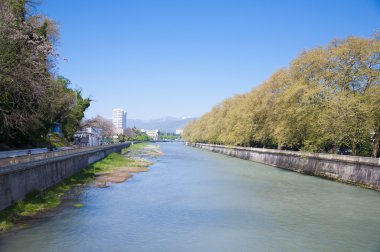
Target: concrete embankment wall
[
  {"x": 355, "y": 170},
  {"x": 17, "y": 180}
]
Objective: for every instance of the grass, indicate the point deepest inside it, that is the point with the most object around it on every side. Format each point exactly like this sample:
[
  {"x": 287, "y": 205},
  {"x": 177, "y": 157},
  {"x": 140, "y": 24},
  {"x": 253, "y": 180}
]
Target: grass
[
  {"x": 137, "y": 146},
  {"x": 38, "y": 201}
]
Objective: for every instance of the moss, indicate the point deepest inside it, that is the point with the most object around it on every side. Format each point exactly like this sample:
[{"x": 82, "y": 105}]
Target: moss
[
  {"x": 5, "y": 225},
  {"x": 32, "y": 204}
]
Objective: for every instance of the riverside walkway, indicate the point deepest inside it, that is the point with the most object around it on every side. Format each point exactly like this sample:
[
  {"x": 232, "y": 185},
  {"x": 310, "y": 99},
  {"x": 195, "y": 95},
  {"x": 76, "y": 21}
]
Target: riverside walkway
[{"x": 52, "y": 154}]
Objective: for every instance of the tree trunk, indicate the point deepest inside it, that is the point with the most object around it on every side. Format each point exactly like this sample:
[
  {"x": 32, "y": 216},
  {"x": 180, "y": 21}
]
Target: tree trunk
[
  {"x": 354, "y": 149},
  {"x": 376, "y": 142}
]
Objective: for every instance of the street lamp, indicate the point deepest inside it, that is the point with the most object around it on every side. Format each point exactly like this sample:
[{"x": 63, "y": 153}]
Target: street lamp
[{"x": 50, "y": 148}]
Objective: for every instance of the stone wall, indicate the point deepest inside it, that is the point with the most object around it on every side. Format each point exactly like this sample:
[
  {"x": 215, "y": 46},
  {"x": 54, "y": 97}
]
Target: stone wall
[
  {"x": 363, "y": 171},
  {"x": 17, "y": 180}
]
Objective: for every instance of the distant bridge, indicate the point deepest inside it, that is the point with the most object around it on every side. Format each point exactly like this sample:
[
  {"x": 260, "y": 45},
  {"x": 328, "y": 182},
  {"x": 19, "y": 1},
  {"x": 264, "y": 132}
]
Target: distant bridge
[{"x": 164, "y": 141}]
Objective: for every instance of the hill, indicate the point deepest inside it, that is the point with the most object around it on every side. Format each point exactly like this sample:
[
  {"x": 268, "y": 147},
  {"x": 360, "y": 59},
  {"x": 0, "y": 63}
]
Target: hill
[{"x": 166, "y": 124}]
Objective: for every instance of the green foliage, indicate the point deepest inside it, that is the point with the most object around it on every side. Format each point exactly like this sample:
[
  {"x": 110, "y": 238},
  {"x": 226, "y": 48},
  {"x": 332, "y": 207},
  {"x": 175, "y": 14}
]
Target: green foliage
[
  {"x": 5, "y": 225},
  {"x": 32, "y": 204},
  {"x": 121, "y": 138},
  {"x": 72, "y": 122},
  {"x": 328, "y": 99},
  {"x": 58, "y": 141},
  {"x": 32, "y": 98},
  {"x": 142, "y": 137},
  {"x": 133, "y": 134},
  {"x": 168, "y": 136}
]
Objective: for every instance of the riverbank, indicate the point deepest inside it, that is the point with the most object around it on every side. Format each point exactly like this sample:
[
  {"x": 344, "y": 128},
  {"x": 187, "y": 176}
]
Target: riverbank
[
  {"x": 197, "y": 200},
  {"x": 115, "y": 168},
  {"x": 359, "y": 171},
  {"x": 132, "y": 161}
]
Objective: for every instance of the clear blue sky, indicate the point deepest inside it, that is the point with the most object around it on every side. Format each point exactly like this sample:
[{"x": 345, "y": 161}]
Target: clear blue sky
[{"x": 158, "y": 58}]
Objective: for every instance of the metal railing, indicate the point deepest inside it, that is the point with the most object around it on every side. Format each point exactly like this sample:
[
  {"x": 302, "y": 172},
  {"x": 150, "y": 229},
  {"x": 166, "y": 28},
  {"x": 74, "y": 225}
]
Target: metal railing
[
  {"x": 34, "y": 157},
  {"x": 17, "y": 153}
]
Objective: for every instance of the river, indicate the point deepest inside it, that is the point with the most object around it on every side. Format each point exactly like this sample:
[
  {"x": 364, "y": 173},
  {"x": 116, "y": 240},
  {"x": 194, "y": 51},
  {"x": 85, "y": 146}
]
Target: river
[{"x": 195, "y": 200}]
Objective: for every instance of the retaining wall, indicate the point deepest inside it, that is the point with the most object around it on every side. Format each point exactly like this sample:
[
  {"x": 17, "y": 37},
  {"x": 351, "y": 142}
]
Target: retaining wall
[
  {"x": 355, "y": 170},
  {"x": 17, "y": 180}
]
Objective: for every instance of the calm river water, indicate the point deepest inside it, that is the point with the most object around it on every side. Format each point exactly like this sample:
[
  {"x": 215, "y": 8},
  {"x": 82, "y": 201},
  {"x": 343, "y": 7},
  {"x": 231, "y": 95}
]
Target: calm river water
[{"x": 195, "y": 200}]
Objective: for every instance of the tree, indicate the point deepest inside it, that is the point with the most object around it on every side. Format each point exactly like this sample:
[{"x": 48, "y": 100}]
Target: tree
[
  {"x": 100, "y": 122},
  {"x": 327, "y": 99},
  {"x": 72, "y": 121},
  {"x": 32, "y": 98},
  {"x": 25, "y": 60}
]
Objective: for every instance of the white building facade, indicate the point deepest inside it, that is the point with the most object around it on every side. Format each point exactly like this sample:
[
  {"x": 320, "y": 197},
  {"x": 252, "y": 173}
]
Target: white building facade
[
  {"x": 90, "y": 136},
  {"x": 97, "y": 136},
  {"x": 119, "y": 120},
  {"x": 153, "y": 134}
]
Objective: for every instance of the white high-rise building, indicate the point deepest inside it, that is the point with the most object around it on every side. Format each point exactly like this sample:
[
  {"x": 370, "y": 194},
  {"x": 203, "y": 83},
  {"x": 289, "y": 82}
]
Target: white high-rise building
[{"x": 119, "y": 119}]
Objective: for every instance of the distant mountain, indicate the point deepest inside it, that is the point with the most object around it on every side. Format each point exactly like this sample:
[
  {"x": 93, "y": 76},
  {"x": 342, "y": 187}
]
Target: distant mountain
[{"x": 166, "y": 124}]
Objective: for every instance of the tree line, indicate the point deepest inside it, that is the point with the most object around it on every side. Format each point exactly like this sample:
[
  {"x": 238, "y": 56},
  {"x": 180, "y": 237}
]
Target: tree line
[
  {"x": 32, "y": 96},
  {"x": 133, "y": 134},
  {"x": 128, "y": 134},
  {"x": 327, "y": 100}
]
